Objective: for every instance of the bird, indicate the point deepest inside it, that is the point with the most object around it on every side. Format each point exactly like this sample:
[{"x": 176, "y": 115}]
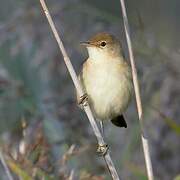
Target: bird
[{"x": 106, "y": 79}]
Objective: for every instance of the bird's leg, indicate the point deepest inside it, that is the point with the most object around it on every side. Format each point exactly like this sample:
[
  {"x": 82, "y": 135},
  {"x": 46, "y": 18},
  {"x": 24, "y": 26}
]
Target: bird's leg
[
  {"x": 83, "y": 100},
  {"x": 102, "y": 148},
  {"x": 102, "y": 128}
]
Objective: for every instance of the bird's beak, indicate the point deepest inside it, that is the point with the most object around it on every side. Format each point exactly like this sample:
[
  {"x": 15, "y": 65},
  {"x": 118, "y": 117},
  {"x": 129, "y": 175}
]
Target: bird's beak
[{"x": 87, "y": 43}]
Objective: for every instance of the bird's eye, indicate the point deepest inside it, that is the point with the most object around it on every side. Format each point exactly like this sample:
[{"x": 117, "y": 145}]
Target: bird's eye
[{"x": 103, "y": 43}]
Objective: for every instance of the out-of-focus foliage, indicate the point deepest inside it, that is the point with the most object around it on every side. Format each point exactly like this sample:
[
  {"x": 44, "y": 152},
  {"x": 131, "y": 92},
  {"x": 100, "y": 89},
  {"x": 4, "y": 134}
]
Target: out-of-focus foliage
[
  {"x": 36, "y": 90},
  {"x": 177, "y": 177}
]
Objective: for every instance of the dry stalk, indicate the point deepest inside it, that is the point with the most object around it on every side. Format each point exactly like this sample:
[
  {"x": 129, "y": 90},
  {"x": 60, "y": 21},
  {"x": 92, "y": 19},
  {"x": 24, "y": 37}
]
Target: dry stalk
[
  {"x": 137, "y": 94},
  {"x": 71, "y": 176},
  {"x": 73, "y": 75},
  {"x": 8, "y": 173}
]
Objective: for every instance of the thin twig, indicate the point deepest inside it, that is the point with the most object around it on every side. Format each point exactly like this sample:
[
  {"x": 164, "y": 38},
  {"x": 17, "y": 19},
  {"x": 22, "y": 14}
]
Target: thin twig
[
  {"x": 5, "y": 166},
  {"x": 87, "y": 109},
  {"x": 71, "y": 176},
  {"x": 137, "y": 94}
]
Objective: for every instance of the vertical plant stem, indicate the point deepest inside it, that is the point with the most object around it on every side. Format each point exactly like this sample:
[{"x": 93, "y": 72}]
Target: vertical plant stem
[
  {"x": 73, "y": 75},
  {"x": 137, "y": 95}
]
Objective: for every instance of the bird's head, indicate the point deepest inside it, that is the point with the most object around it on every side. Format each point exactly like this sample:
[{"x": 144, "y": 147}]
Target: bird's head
[{"x": 103, "y": 45}]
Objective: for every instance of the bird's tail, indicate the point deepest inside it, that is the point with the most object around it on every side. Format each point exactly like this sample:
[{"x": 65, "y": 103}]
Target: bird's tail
[{"x": 119, "y": 121}]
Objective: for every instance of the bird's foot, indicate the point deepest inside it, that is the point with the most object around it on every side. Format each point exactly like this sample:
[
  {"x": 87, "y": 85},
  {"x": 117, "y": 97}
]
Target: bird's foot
[
  {"x": 102, "y": 149},
  {"x": 83, "y": 101}
]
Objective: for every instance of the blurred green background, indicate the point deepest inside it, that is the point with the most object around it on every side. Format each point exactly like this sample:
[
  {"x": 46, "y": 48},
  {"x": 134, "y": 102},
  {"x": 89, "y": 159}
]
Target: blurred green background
[{"x": 42, "y": 131}]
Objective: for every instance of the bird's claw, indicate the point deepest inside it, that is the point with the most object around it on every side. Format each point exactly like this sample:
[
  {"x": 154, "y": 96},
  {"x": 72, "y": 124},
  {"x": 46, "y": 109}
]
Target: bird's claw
[
  {"x": 83, "y": 100},
  {"x": 102, "y": 149}
]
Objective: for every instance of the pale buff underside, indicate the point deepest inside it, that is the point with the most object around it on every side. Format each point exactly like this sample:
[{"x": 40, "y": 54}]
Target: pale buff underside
[{"x": 108, "y": 85}]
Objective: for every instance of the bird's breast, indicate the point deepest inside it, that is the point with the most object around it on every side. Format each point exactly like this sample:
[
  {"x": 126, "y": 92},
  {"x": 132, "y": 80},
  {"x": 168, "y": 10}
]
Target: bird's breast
[{"x": 108, "y": 86}]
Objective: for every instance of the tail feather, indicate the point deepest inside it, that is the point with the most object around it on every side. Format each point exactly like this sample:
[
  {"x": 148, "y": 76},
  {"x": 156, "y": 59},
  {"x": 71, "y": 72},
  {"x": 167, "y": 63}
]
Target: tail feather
[{"x": 119, "y": 121}]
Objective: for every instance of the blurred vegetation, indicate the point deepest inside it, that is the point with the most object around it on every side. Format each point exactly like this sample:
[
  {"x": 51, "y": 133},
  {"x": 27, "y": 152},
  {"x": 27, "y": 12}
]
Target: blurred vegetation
[{"x": 43, "y": 134}]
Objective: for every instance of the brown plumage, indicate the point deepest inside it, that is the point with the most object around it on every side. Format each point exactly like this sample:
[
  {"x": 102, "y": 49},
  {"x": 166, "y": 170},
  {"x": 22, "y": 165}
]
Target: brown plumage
[{"x": 106, "y": 78}]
